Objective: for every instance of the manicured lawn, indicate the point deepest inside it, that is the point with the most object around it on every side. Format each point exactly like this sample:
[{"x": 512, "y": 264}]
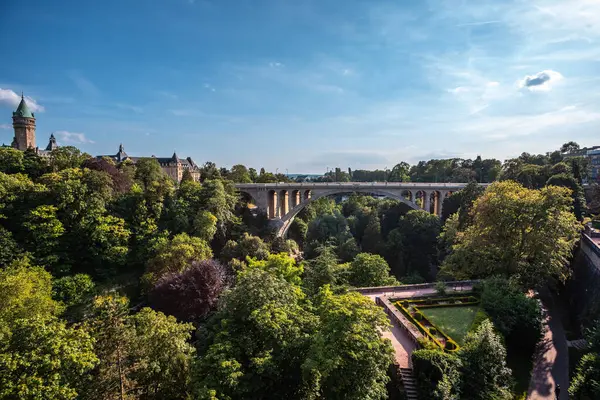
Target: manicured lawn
[{"x": 453, "y": 321}]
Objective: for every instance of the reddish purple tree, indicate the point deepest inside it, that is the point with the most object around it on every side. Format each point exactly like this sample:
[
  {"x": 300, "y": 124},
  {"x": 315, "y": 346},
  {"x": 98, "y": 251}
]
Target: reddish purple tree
[{"x": 191, "y": 294}]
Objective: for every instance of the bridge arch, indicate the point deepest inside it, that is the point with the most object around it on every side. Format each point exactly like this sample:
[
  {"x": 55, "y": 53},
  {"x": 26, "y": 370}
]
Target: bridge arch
[{"x": 288, "y": 218}]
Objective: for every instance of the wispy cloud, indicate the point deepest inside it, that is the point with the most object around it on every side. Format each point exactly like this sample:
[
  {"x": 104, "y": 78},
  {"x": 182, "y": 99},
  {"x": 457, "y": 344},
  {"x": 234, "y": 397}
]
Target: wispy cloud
[
  {"x": 74, "y": 138},
  {"x": 5, "y": 126},
  {"x": 11, "y": 99},
  {"x": 83, "y": 84},
  {"x": 478, "y": 23},
  {"x": 129, "y": 107}
]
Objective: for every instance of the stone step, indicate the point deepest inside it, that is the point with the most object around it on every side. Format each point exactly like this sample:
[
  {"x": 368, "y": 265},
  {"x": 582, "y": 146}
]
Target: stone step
[{"x": 578, "y": 344}]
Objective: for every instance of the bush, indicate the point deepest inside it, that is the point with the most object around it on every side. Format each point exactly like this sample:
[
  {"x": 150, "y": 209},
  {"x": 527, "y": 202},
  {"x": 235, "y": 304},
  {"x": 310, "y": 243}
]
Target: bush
[
  {"x": 73, "y": 290},
  {"x": 440, "y": 288},
  {"x": 515, "y": 315},
  {"x": 437, "y": 374}
]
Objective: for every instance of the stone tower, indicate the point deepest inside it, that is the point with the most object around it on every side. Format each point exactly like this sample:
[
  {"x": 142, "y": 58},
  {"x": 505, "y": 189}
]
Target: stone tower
[{"x": 24, "y": 126}]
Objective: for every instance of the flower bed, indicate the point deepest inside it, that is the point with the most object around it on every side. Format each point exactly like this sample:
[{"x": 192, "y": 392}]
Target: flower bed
[{"x": 410, "y": 309}]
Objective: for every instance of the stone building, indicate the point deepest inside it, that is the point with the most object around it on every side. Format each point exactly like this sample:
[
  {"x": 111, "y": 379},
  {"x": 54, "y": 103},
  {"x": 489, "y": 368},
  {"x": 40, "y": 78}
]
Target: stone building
[
  {"x": 24, "y": 138},
  {"x": 173, "y": 166},
  {"x": 592, "y": 154},
  {"x": 24, "y": 127}
]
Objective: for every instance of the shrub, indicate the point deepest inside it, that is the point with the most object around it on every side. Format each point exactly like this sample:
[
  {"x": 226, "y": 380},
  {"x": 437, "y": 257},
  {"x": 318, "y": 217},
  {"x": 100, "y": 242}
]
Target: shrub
[
  {"x": 515, "y": 315},
  {"x": 437, "y": 374},
  {"x": 440, "y": 288},
  {"x": 191, "y": 294}
]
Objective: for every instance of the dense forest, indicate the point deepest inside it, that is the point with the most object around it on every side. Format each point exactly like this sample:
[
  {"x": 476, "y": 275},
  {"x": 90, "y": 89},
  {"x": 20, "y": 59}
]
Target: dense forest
[{"x": 118, "y": 283}]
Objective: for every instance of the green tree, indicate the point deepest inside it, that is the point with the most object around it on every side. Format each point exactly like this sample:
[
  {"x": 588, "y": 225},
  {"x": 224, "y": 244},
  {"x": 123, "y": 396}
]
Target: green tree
[
  {"x": 323, "y": 270},
  {"x": 257, "y": 342},
  {"x": 247, "y": 246},
  {"x": 412, "y": 247},
  {"x": 485, "y": 374},
  {"x": 437, "y": 374},
  {"x": 73, "y": 290},
  {"x": 369, "y": 270},
  {"x": 66, "y": 157},
  {"x": 372, "y": 242},
  {"x": 569, "y": 147},
  {"x": 585, "y": 385},
  {"x": 42, "y": 358},
  {"x": 176, "y": 255},
  {"x": 281, "y": 265},
  {"x": 205, "y": 226},
  {"x": 240, "y": 174},
  {"x": 163, "y": 355},
  {"x": 9, "y": 248},
  {"x": 517, "y": 232},
  {"x": 338, "y": 365},
  {"x": 45, "y": 231},
  {"x": 26, "y": 292}
]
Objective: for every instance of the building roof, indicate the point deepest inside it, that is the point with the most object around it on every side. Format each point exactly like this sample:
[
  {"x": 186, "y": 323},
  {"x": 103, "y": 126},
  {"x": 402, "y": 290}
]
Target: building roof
[
  {"x": 51, "y": 143},
  {"x": 174, "y": 159},
  {"x": 23, "y": 109}
]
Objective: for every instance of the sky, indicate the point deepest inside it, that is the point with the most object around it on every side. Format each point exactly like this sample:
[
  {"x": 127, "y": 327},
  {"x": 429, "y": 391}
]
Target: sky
[{"x": 305, "y": 85}]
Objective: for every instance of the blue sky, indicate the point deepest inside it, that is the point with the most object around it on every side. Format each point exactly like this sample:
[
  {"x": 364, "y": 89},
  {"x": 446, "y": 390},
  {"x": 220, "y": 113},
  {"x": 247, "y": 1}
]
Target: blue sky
[{"x": 305, "y": 85}]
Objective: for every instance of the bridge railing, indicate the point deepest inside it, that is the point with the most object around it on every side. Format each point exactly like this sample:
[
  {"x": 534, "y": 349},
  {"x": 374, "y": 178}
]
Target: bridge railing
[{"x": 354, "y": 185}]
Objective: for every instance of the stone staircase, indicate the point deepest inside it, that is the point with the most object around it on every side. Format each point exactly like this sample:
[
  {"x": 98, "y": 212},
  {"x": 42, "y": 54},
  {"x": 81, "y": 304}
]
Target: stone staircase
[
  {"x": 410, "y": 385},
  {"x": 579, "y": 344}
]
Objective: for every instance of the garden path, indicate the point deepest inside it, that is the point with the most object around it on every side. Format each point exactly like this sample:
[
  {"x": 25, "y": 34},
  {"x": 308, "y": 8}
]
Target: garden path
[
  {"x": 403, "y": 345},
  {"x": 551, "y": 363}
]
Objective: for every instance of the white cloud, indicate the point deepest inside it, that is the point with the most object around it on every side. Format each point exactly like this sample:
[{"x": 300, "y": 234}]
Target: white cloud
[
  {"x": 5, "y": 126},
  {"x": 66, "y": 137},
  {"x": 12, "y": 99},
  {"x": 275, "y": 64},
  {"x": 542, "y": 81}
]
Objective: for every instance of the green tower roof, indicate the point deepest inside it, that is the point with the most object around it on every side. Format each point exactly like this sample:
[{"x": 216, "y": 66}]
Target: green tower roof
[{"x": 23, "y": 110}]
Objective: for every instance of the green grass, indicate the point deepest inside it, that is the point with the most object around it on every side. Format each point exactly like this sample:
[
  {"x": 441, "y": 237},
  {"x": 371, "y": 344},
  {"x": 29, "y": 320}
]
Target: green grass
[{"x": 453, "y": 321}]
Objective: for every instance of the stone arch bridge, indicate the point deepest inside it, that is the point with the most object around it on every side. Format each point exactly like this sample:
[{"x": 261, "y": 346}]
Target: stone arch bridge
[{"x": 283, "y": 201}]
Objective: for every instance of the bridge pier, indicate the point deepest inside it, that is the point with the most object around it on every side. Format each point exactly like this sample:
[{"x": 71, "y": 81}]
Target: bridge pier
[{"x": 283, "y": 201}]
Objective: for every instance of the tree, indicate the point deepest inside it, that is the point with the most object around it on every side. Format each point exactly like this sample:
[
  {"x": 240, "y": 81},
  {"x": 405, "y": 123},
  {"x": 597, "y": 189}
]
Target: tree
[
  {"x": 42, "y": 358},
  {"x": 26, "y": 293},
  {"x": 163, "y": 354},
  {"x": 369, "y": 270},
  {"x": 569, "y": 147},
  {"x": 437, "y": 374},
  {"x": 323, "y": 270},
  {"x": 567, "y": 180},
  {"x": 585, "y": 385},
  {"x": 9, "y": 248},
  {"x": 517, "y": 232},
  {"x": 485, "y": 375},
  {"x": 146, "y": 355},
  {"x": 372, "y": 242},
  {"x": 338, "y": 365},
  {"x": 246, "y": 246},
  {"x": 209, "y": 171},
  {"x": 256, "y": 343},
  {"x": 65, "y": 157},
  {"x": 412, "y": 247},
  {"x": 176, "y": 255},
  {"x": 400, "y": 173},
  {"x": 240, "y": 174},
  {"x": 280, "y": 265},
  {"x": 515, "y": 315},
  {"x": 73, "y": 290},
  {"x": 191, "y": 294},
  {"x": 205, "y": 225}
]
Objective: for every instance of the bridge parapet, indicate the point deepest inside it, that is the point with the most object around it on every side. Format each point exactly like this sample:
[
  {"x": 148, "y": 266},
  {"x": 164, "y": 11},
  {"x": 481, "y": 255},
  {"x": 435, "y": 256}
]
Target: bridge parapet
[{"x": 283, "y": 201}]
